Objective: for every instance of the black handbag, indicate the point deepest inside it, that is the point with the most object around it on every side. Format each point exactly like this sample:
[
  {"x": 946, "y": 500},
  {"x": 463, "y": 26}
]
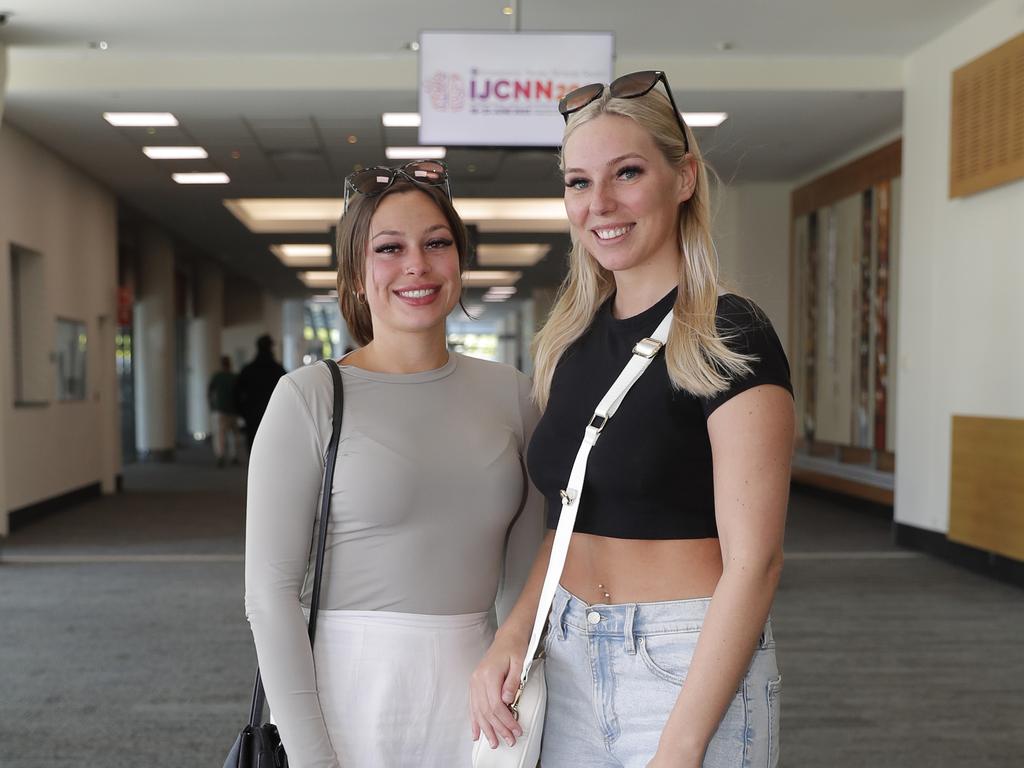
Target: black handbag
[{"x": 259, "y": 744}]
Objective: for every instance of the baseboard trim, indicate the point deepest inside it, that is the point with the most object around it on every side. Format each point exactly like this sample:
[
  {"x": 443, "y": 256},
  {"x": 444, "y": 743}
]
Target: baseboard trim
[
  {"x": 979, "y": 561},
  {"x": 18, "y": 518}
]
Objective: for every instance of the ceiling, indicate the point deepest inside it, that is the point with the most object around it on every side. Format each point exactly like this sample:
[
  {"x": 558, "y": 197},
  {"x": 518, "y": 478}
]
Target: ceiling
[{"x": 274, "y": 92}]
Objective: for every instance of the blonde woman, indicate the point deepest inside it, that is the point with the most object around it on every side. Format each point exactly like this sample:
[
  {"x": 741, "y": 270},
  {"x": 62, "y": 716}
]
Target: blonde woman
[
  {"x": 432, "y": 519},
  {"x": 659, "y": 648}
]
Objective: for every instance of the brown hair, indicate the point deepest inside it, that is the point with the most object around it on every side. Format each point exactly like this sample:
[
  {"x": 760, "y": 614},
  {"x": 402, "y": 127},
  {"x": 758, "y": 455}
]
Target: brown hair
[{"x": 353, "y": 235}]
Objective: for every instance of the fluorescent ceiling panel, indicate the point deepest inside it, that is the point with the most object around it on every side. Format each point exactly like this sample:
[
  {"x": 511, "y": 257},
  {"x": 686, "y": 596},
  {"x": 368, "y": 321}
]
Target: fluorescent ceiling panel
[
  {"x": 512, "y": 255},
  {"x": 175, "y": 153},
  {"x": 141, "y": 119},
  {"x": 483, "y": 278},
  {"x": 263, "y": 215},
  {"x": 401, "y": 119},
  {"x": 303, "y": 254},
  {"x": 704, "y": 119},
  {"x": 201, "y": 178},
  {"x": 415, "y": 153},
  {"x": 319, "y": 278}
]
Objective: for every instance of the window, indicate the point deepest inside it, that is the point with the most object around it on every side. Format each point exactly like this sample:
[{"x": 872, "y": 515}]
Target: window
[{"x": 70, "y": 359}]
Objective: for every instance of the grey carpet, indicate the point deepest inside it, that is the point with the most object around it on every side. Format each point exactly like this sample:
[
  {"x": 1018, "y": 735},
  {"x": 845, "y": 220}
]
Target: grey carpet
[{"x": 123, "y": 640}]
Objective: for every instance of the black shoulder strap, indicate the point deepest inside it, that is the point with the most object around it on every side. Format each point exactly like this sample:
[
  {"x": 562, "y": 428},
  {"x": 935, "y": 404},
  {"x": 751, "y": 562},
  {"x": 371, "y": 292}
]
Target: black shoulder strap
[{"x": 258, "y": 694}]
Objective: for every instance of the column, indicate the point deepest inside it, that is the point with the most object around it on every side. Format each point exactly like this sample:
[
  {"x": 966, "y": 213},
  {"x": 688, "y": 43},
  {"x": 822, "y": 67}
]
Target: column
[
  {"x": 3, "y": 78},
  {"x": 154, "y": 347},
  {"x": 204, "y": 339}
]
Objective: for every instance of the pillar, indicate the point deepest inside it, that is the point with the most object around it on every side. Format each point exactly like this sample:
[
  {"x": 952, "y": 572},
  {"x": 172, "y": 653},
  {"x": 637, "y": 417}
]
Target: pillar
[{"x": 154, "y": 347}]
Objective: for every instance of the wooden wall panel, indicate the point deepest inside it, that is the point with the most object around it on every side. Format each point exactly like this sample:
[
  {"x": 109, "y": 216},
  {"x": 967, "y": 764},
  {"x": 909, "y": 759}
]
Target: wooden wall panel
[
  {"x": 986, "y": 140},
  {"x": 986, "y": 499},
  {"x": 851, "y": 179}
]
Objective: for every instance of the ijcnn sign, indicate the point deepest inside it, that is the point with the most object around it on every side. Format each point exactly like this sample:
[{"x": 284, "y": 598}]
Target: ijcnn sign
[{"x": 502, "y": 89}]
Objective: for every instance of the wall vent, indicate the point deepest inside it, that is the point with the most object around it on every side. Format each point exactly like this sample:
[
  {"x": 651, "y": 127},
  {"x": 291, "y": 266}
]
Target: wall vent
[{"x": 987, "y": 132}]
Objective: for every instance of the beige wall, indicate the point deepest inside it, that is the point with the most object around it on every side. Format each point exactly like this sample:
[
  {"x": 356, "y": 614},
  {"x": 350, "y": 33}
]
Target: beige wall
[
  {"x": 751, "y": 229},
  {"x": 51, "y": 208},
  {"x": 3, "y": 78},
  {"x": 961, "y": 318}
]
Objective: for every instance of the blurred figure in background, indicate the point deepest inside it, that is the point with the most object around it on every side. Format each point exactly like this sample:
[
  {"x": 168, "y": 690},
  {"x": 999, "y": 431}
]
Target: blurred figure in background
[
  {"x": 255, "y": 384},
  {"x": 221, "y": 396}
]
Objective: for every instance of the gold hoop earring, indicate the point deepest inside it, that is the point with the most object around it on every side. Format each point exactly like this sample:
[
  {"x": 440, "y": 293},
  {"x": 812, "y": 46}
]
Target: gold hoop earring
[{"x": 360, "y": 297}]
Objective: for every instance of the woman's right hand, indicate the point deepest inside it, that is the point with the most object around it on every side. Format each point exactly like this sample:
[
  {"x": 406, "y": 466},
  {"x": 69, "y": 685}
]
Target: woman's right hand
[{"x": 493, "y": 686}]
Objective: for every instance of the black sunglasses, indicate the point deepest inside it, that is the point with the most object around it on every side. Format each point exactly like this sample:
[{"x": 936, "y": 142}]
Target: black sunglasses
[
  {"x": 626, "y": 87},
  {"x": 371, "y": 182}
]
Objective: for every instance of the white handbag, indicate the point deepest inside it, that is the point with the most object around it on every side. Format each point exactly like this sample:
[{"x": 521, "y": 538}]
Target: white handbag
[{"x": 531, "y": 699}]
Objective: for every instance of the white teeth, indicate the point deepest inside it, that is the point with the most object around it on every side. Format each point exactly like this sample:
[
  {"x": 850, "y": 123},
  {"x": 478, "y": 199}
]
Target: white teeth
[
  {"x": 608, "y": 234},
  {"x": 418, "y": 294}
]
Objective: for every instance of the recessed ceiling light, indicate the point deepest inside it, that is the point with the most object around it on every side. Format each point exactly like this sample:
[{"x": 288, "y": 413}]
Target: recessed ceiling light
[
  {"x": 511, "y": 255},
  {"x": 401, "y": 119},
  {"x": 303, "y": 254},
  {"x": 352, "y": 138},
  {"x": 704, "y": 119},
  {"x": 141, "y": 119},
  {"x": 481, "y": 278},
  {"x": 200, "y": 178},
  {"x": 415, "y": 153},
  {"x": 175, "y": 153},
  {"x": 99, "y": 45},
  {"x": 319, "y": 214},
  {"x": 319, "y": 278},
  {"x": 508, "y": 10},
  {"x": 412, "y": 45}
]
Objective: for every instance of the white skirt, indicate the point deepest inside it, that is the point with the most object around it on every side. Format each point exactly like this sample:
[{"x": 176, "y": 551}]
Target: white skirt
[{"x": 394, "y": 687}]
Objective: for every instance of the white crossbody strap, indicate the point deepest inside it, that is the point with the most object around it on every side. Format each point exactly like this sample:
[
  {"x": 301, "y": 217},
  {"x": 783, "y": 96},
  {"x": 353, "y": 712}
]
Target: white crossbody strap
[{"x": 643, "y": 353}]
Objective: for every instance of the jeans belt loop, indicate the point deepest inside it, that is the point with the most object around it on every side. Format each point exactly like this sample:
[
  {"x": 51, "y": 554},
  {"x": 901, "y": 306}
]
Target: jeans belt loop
[{"x": 627, "y": 630}]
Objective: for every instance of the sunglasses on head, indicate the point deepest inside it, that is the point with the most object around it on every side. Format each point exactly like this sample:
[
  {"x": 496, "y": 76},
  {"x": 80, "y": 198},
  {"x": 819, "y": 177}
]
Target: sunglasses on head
[
  {"x": 371, "y": 182},
  {"x": 626, "y": 87}
]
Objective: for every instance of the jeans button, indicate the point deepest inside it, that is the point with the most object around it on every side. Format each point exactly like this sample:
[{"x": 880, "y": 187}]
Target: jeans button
[{"x": 593, "y": 617}]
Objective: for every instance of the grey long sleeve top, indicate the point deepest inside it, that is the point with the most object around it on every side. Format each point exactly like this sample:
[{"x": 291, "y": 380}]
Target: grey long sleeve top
[{"x": 431, "y": 512}]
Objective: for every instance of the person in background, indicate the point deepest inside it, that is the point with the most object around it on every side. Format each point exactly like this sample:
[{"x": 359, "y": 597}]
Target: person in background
[
  {"x": 659, "y": 652},
  {"x": 433, "y": 521},
  {"x": 255, "y": 384},
  {"x": 221, "y": 396}
]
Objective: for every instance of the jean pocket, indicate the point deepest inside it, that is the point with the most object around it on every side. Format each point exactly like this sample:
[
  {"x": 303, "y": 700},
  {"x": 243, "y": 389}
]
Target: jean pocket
[
  {"x": 774, "y": 694},
  {"x": 667, "y": 656}
]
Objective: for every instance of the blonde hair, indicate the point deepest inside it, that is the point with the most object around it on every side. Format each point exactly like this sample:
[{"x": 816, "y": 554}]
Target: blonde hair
[
  {"x": 353, "y": 235},
  {"x": 696, "y": 354}
]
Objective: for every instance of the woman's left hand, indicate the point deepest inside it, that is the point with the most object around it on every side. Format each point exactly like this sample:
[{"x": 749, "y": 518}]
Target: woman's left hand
[{"x": 660, "y": 760}]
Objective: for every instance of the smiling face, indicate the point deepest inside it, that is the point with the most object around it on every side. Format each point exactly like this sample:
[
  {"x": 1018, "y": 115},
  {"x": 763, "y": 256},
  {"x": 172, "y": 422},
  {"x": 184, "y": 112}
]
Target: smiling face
[
  {"x": 622, "y": 196},
  {"x": 412, "y": 278}
]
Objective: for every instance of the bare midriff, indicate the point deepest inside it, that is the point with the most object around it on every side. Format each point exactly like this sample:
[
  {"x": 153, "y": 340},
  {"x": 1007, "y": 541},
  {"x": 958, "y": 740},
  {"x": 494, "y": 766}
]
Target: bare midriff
[{"x": 599, "y": 569}]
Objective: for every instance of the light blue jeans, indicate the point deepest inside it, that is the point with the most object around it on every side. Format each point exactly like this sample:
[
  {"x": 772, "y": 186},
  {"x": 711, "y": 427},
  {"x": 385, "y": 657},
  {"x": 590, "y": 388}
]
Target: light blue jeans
[{"x": 614, "y": 673}]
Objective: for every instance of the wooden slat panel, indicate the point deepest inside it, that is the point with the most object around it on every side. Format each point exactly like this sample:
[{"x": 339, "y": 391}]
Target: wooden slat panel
[
  {"x": 881, "y": 165},
  {"x": 986, "y": 499},
  {"x": 986, "y": 141}
]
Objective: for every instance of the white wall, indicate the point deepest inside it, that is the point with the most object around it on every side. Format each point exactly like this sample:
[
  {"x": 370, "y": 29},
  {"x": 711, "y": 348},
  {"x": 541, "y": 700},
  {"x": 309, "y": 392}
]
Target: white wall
[
  {"x": 49, "y": 207},
  {"x": 751, "y": 230},
  {"x": 961, "y": 317}
]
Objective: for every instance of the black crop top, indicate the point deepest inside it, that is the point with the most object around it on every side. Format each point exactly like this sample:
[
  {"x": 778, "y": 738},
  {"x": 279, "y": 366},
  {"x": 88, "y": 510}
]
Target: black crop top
[{"x": 649, "y": 474}]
